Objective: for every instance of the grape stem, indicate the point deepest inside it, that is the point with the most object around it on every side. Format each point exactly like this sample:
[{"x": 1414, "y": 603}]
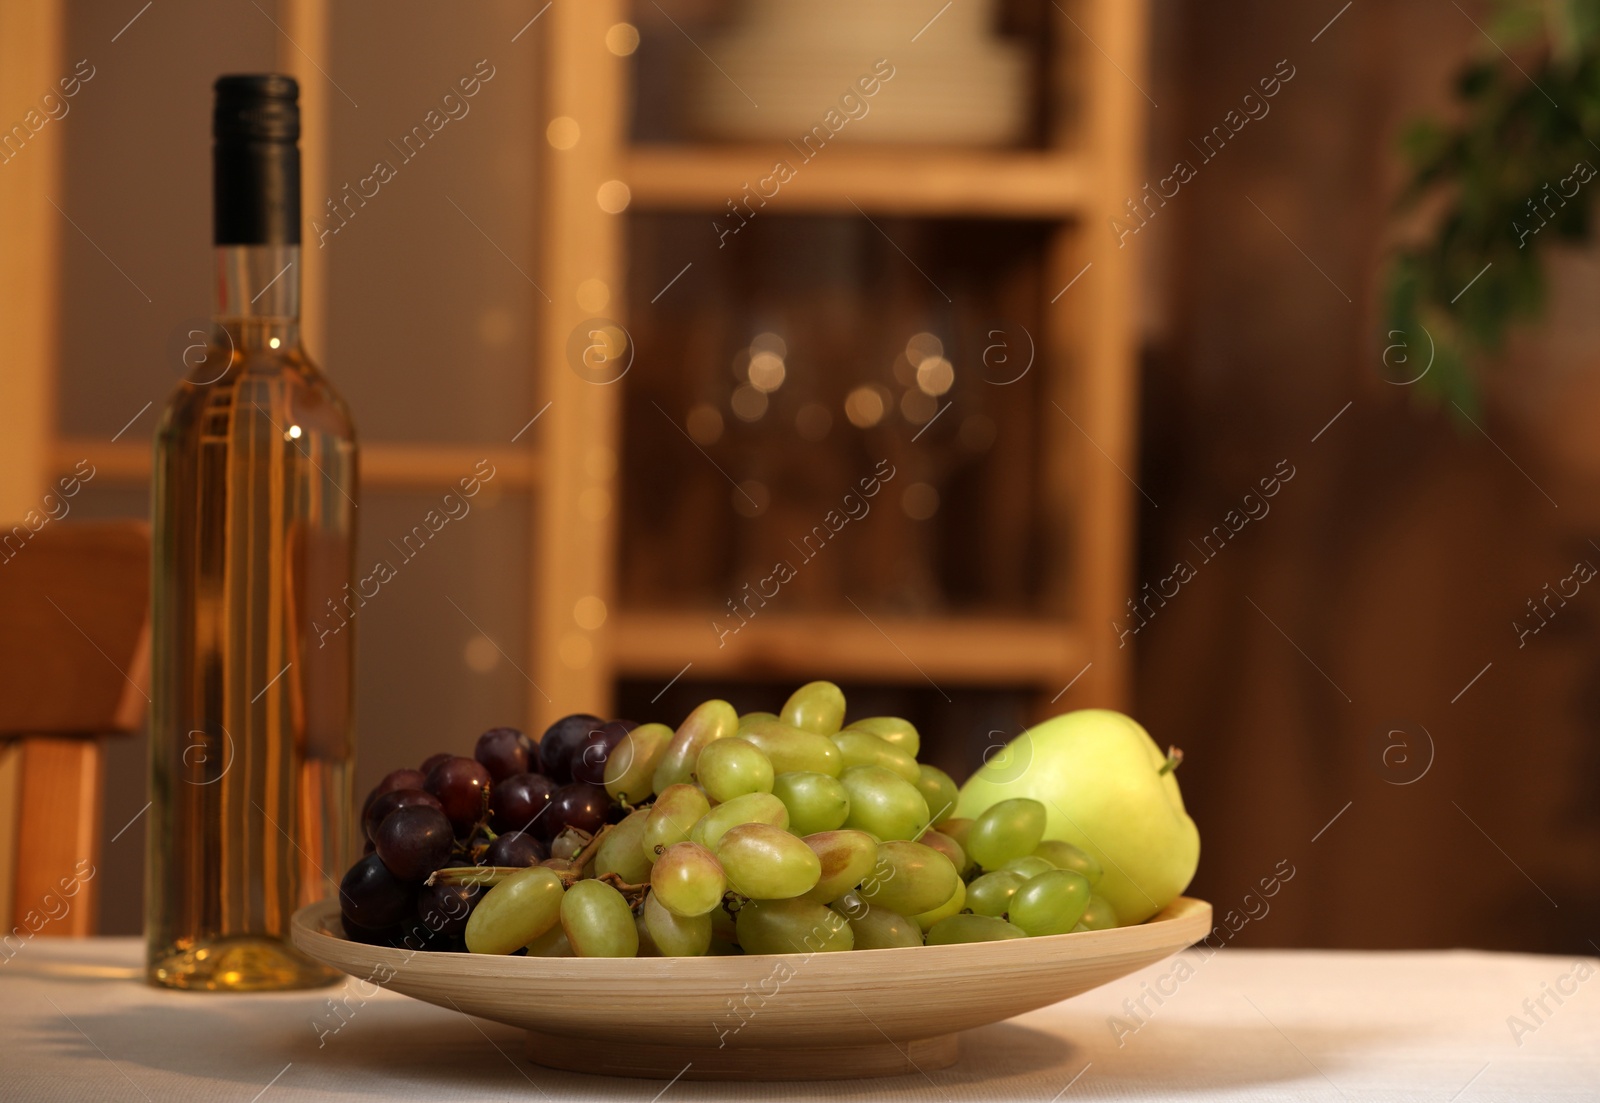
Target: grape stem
[
  {"x": 581, "y": 859},
  {"x": 493, "y": 875},
  {"x": 634, "y": 894},
  {"x": 471, "y": 875},
  {"x": 1174, "y": 759}
]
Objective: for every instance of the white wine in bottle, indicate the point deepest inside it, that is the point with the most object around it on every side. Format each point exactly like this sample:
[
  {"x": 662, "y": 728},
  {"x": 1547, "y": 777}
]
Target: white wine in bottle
[{"x": 254, "y": 538}]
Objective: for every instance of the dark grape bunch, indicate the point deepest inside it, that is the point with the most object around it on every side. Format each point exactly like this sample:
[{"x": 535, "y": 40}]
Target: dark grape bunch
[
  {"x": 504, "y": 807},
  {"x": 764, "y": 833}
]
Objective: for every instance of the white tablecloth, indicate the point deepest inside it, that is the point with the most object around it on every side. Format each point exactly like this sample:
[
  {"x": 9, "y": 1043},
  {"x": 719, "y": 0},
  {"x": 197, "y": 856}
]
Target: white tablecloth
[{"x": 77, "y": 1023}]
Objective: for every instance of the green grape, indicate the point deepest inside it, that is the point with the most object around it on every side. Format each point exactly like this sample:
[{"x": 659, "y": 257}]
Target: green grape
[
  {"x": 939, "y": 790},
  {"x": 687, "y": 880},
  {"x": 877, "y": 928},
  {"x": 731, "y": 768},
  {"x": 971, "y": 928},
  {"x": 1051, "y": 903},
  {"x": 750, "y": 808},
  {"x": 947, "y": 846},
  {"x": 722, "y": 929},
  {"x": 1007, "y": 830},
  {"x": 958, "y": 828},
  {"x": 790, "y": 749},
  {"x": 515, "y": 912},
  {"x": 621, "y": 851},
  {"x": 991, "y": 893},
  {"x": 1066, "y": 856},
  {"x": 553, "y": 943},
  {"x": 884, "y": 803},
  {"x": 598, "y": 921},
  {"x": 1098, "y": 916},
  {"x": 675, "y": 935},
  {"x": 647, "y": 942},
  {"x": 957, "y": 901},
  {"x": 632, "y": 763},
  {"x": 754, "y": 717},
  {"x": 792, "y": 927},
  {"x": 672, "y": 817},
  {"x": 816, "y": 802},
  {"x": 846, "y": 857},
  {"x": 709, "y": 722},
  {"x": 890, "y": 729},
  {"x": 815, "y": 707},
  {"x": 1028, "y": 867},
  {"x": 909, "y": 878},
  {"x": 765, "y": 862},
  {"x": 861, "y": 749}
]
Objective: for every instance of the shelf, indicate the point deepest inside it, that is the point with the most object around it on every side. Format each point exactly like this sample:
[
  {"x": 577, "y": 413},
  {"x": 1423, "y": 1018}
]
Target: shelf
[
  {"x": 995, "y": 651},
  {"x": 877, "y": 179},
  {"x": 391, "y": 466}
]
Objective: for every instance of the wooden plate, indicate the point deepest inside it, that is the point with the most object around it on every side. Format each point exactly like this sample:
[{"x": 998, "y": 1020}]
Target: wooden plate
[{"x": 759, "y": 1017}]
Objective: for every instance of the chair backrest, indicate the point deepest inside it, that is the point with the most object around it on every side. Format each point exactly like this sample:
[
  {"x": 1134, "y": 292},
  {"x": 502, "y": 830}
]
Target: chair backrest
[{"x": 74, "y": 668}]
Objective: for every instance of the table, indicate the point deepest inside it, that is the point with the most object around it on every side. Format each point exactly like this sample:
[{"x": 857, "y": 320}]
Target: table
[{"x": 76, "y": 1022}]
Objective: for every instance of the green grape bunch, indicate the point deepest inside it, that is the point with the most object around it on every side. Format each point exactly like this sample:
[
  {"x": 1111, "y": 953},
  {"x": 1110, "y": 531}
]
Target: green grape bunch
[{"x": 795, "y": 832}]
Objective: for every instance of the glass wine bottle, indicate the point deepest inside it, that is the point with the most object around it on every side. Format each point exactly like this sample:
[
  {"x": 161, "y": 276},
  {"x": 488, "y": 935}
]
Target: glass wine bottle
[{"x": 254, "y": 534}]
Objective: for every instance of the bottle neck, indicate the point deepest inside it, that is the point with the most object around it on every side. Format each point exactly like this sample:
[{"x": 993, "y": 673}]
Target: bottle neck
[{"x": 258, "y": 295}]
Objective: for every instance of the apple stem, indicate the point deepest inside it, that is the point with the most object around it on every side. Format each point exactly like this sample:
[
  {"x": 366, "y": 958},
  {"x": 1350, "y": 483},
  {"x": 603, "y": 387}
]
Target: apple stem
[{"x": 1174, "y": 758}]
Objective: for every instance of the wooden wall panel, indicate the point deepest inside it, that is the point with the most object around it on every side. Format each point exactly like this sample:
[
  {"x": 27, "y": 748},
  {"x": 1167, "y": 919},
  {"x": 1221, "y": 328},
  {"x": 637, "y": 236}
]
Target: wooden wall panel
[
  {"x": 30, "y": 227},
  {"x": 575, "y": 516}
]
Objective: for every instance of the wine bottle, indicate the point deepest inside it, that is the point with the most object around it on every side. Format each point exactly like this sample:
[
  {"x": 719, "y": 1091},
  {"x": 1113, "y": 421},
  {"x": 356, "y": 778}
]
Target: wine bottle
[{"x": 254, "y": 535}]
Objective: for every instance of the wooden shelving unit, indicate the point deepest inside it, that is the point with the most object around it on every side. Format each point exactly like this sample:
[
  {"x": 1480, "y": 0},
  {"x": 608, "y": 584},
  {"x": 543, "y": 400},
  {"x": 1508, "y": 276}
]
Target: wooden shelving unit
[
  {"x": 582, "y": 637},
  {"x": 930, "y": 182},
  {"x": 935, "y": 651},
  {"x": 390, "y": 466},
  {"x": 1077, "y": 183}
]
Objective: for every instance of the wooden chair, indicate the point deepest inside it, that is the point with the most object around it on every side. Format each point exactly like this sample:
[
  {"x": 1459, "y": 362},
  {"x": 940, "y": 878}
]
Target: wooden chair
[{"x": 74, "y": 669}]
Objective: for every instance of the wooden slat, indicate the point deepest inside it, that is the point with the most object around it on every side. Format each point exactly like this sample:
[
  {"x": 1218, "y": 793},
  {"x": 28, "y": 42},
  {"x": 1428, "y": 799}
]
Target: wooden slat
[
  {"x": 10, "y": 821},
  {"x": 58, "y": 837},
  {"x": 31, "y": 53},
  {"x": 303, "y": 52},
  {"x": 575, "y": 516},
  {"x": 946, "y": 183},
  {"x": 30, "y": 250},
  {"x": 395, "y": 465},
  {"x": 849, "y": 647},
  {"x": 75, "y": 603},
  {"x": 1100, "y": 320},
  {"x": 390, "y": 466}
]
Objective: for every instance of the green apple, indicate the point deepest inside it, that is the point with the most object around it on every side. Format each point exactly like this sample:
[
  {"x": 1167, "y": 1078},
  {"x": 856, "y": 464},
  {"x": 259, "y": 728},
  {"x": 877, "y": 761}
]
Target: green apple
[{"x": 1107, "y": 789}]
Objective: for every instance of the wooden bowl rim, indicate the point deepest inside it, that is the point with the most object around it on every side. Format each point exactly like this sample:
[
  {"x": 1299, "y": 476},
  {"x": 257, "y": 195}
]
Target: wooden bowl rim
[{"x": 1183, "y": 922}]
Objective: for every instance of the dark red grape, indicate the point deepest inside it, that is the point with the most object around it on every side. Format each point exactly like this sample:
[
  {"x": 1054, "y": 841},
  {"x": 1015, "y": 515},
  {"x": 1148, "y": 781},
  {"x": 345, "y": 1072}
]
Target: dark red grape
[
  {"x": 371, "y": 897},
  {"x": 560, "y": 741},
  {"x": 462, "y": 786},
  {"x": 443, "y": 909},
  {"x": 414, "y": 841},
  {"x": 577, "y": 805},
  {"x": 516, "y": 848},
  {"x": 392, "y": 781},
  {"x": 400, "y": 798},
  {"x": 589, "y": 759},
  {"x": 356, "y": 933},
  {"x": 503, "y": 752},
  {"x": 433, "y": 760},
  {"x": 414, "y": 935},
  {"x": 520, "y": 802}
]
